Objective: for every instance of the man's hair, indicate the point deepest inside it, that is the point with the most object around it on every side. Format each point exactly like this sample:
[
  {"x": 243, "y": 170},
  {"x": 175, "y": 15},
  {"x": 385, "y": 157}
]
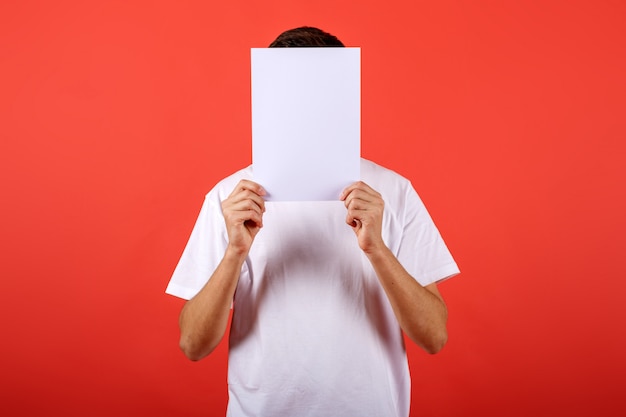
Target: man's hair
[{"x": 305, "y": 36}]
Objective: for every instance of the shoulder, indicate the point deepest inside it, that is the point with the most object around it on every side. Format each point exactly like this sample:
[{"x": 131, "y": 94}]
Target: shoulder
[
  {"x": 400, "y": 197},
  {"x": 384, "y": 180},
  {"x": 224, "y": 187}
]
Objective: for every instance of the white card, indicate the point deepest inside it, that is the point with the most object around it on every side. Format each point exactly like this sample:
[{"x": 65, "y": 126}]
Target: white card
[{"x": 306, "y": 121}]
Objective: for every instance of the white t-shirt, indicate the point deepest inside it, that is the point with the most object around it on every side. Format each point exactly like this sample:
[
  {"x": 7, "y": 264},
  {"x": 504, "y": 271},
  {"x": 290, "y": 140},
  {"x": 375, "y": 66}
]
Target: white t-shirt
[{"x": 313, "y": 333}]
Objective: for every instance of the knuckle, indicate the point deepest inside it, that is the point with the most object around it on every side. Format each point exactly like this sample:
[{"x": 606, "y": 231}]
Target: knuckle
[{"x": 247, "y": 204}]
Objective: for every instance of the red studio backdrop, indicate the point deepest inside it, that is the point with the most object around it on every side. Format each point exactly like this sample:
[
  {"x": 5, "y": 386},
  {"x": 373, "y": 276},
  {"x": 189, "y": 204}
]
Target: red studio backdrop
[{"x": 117, "y": 117}]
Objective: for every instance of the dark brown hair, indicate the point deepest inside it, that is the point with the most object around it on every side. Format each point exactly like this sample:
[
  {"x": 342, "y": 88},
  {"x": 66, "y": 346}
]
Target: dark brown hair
[{"x": 305, "y": 36}]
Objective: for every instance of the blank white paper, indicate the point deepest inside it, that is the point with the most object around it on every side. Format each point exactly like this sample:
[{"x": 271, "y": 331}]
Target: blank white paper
[{"x": 306, "y": 121}]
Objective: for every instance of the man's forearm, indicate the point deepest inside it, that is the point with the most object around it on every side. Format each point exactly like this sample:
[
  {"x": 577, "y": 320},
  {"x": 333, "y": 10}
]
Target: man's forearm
[
  {"x": 421, "y": 311},
  {"x": 204, "y": 318}
]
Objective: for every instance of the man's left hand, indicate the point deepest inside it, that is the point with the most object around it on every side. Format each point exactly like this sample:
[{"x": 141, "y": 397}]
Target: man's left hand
[{"x": 365, "y": 215}]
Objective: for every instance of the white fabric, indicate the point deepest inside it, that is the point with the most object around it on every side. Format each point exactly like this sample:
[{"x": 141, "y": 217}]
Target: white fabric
[{"x": 313, "y": 333}]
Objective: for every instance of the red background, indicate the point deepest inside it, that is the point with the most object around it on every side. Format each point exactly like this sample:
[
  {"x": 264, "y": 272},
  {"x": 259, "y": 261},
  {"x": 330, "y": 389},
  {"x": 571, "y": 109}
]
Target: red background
[{"x": 117, "y": 117}]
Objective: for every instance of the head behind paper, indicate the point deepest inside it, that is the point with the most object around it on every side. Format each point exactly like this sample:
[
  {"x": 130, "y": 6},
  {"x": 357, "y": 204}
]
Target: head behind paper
[{"x": 305, "y": 36}]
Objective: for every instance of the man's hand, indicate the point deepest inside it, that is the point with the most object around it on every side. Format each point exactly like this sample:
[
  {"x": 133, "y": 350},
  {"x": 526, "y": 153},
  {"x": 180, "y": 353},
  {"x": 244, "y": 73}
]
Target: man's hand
[
  {"x": 365, "y": 215},
  {"x": 243, "y": 213}
]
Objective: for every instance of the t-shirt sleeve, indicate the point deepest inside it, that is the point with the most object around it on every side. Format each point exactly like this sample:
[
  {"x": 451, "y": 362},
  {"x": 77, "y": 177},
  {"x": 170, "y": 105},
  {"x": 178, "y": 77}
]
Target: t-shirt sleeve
[
  {"x": 422, "y": 251},
  {"x": 203, "y": 252}
]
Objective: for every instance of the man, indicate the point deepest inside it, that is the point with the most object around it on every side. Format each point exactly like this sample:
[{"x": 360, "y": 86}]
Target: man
[{"x": 320, "y": 291}]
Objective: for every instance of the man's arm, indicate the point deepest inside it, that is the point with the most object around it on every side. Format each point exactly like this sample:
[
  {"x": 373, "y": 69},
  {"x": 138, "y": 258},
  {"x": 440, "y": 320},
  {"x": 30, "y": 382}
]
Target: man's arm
[
  {"x": 420, "y": 311},
  {"x": 204, "y": 318}
]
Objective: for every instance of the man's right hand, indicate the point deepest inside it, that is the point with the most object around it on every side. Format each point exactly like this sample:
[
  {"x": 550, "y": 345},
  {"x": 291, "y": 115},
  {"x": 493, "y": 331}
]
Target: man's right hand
[{"x": 243, "y": 213}]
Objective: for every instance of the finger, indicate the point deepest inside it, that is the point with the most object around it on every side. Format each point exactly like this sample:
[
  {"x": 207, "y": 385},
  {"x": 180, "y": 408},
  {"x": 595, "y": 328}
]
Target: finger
[
  {"x": 360, "y": 200},
  {"x": 254, "y": 219},
  {"x": 360, "y": 214},
  {"x": 247, "y": 218},
  {"x": 353, "y": 202},
  {"x": 353, "y": 221},
  {"x": 243, "y": 206},
  {"x": 360, "y": 186},
  {"x": 246, "y": 195},
  {"x": 252, "y": 186}
]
